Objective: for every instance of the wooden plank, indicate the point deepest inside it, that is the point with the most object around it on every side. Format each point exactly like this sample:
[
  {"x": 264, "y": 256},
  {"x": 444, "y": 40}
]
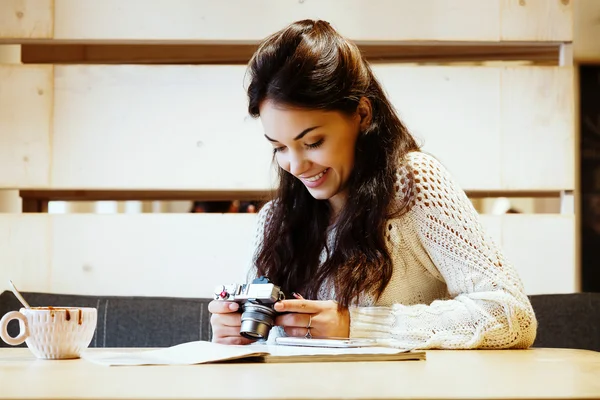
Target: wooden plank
[
  {"x": 26, "y": 94},
  {"x": 25, "y": 251},
  {"x": 554, "y": 19},
  {"x": 34, "y": 206},
  {"x": 527, "y": 116},
  {"x": 167, "y": 127},
  {"x": 10, "y": 202},
  {"x": 10, "y": 54},
  {"x": 203, "y": 21},
  {"x": 214, "y": 195},
  {"x": 138, "y": 53},
  {"x": 151, "y": 254},
  {"x": 185, "y": 128},
  {"x": 586, "y": 45},
  {"x": 437, "y": 106},
  {"x": 160, "y": 195},
  {"x": 532, "y": 142},
  {"x": 549, "y": 266},
  {"x": 565, "y": 55},
  {"x": 26, "y": 19},
  {"x": 544, "y": 249},
  {"x": 189, "y": 254},
  {"x": 419, "y": 52}
]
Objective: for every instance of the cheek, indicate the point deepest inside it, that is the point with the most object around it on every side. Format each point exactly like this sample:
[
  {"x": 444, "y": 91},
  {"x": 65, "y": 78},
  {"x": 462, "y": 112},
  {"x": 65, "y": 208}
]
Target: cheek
[
  {"x": 282, "y": 161},
  {"x": 344, "y": 158}
]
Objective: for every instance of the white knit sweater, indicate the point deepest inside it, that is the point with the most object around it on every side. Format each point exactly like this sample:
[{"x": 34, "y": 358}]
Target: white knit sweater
[{"x": 451, "y": 286}]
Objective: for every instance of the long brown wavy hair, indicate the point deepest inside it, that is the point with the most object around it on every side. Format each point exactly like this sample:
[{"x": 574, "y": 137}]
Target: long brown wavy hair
[{"x": 311, "y": 66}]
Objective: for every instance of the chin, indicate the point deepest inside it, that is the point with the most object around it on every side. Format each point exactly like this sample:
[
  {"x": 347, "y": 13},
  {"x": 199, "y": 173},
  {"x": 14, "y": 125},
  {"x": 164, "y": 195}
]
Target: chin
[{"x": 321, "y": 194}]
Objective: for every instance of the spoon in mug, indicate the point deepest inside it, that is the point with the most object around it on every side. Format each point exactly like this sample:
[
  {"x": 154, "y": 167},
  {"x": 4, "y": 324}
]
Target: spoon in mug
[{"x": 16, "y": 292}]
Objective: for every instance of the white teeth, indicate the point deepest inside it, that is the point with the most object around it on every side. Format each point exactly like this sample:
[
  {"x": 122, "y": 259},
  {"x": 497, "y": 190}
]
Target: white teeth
[{"x": 316, "y": 177}]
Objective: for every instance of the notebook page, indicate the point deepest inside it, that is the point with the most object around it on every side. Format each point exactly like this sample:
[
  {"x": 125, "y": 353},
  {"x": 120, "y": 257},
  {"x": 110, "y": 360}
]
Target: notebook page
[{"x": 187, "y": 353}]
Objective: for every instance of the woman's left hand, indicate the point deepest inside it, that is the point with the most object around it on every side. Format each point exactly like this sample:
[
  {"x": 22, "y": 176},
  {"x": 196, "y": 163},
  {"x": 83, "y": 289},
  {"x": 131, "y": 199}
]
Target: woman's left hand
[{"x": 324, "y": 318}]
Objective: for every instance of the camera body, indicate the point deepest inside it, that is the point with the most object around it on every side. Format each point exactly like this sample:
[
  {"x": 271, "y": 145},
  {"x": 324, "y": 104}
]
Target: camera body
[{"x": 256, "y": 300}]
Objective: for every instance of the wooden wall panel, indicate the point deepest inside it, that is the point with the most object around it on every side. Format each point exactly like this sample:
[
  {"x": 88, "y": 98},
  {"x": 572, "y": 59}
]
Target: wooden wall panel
[
  {"x": 209, "y": 21},
  {"x": 165, "y": 127},
  {"x": 554, "y": 19},
  {"x": 25, "y": 252},
  {"x": 170, "y": 127},
  {"x": 586, "y": 35},
  {"x": 166, "y": 255},
  {"x": 451, "y": 114},
  {"x": 540, "y": 246},
  {"x": 538, "y": 146},
  {"x": 26, "y": 19},
  {"x": 188, "y": 254},
  {"x": 543, "y": 247},
  {"x": 243, "y": 21},
  {"x": 26, "y": 96},
  {"x": 250, "y": 21}
]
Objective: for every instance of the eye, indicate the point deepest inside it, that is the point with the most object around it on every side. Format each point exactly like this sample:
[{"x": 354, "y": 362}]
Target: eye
[
  {"x": 315, "y": 145},
  {"x": 278, "y": 149}
]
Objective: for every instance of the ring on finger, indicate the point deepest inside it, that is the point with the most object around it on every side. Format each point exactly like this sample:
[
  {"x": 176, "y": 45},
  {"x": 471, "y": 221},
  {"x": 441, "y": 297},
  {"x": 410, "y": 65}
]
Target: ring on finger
[{"x": 308, "y": 334}]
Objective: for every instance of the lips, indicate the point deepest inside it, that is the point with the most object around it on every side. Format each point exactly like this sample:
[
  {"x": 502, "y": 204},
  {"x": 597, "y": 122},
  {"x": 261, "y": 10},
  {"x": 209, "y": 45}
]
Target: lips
[{"x": 316, "y": 180}]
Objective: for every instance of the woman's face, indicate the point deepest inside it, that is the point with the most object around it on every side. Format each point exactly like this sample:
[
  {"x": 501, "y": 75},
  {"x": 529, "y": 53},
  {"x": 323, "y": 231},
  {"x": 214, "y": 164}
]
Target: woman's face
[{"x": 315, "y": 146}]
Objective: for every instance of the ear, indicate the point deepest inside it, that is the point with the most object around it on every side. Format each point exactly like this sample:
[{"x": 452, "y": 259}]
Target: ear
[{"x": 365, "y": 113}]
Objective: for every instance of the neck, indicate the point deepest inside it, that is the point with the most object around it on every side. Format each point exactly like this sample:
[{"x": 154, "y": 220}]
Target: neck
[{"x": 336, "y": 203}]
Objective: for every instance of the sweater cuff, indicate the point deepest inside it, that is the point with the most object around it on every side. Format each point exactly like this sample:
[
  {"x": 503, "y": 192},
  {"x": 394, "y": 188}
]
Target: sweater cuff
[{"x": 371, "y": 322}]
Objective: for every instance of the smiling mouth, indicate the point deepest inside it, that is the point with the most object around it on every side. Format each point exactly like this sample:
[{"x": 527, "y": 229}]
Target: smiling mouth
[{"x": 316, "y": 177}]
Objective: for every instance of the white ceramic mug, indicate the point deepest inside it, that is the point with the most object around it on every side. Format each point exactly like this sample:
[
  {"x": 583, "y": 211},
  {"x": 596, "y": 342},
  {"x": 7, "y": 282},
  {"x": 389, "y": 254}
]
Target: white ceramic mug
[{"x": 52, "y": 332}]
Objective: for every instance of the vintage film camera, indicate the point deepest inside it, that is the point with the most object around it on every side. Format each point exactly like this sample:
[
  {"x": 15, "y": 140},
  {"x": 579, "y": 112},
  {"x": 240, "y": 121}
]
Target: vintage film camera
[{"x": 256, "y": 301}]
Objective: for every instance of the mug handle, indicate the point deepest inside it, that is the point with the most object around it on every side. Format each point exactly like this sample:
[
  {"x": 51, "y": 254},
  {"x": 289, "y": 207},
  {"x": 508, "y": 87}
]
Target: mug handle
[{"x": 23, "y": 334}]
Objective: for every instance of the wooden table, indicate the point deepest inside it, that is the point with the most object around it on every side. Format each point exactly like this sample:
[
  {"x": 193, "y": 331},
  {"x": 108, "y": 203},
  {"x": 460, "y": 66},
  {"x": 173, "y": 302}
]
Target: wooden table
[{"x": 534, "y": 373}]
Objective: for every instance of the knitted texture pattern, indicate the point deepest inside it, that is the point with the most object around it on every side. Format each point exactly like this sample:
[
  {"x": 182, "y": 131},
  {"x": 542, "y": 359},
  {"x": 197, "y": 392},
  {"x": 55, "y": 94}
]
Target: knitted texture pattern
[{"x": 451, "y": 287}]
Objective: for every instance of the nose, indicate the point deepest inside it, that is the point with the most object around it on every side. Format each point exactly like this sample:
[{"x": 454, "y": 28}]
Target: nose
[{"x": 298, "y": 163}]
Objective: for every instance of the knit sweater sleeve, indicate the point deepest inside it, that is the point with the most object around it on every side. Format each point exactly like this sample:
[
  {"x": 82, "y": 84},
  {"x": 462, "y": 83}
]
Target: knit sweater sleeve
[{"x": 487, "y": 306}]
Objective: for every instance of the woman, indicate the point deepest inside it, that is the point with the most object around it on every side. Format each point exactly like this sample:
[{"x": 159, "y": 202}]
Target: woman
[{"x": 373, "y": 233}]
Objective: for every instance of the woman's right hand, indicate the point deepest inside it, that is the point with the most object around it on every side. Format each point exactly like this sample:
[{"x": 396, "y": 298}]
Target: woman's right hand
[{"x": 226, "y": 322}]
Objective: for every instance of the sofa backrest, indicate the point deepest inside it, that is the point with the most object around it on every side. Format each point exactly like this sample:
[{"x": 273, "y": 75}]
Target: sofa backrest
[
  {"x": 568, "y": 320},
  {"x": 129, "y": 321},
  {"x": 565, "y": 320}
]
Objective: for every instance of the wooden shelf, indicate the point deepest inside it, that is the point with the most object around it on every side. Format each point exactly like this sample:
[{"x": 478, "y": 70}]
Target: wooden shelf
[
  {"x": 208, "y": 195},
  {"x": 533, "y": 53}
]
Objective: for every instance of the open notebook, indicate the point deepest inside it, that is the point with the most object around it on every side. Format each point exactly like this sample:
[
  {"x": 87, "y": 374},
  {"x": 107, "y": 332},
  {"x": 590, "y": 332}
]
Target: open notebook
[{"x": 202, "y": 352}]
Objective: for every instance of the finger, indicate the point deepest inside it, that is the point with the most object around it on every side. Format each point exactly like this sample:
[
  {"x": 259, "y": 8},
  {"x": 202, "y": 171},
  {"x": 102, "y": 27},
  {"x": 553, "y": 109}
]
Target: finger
[
  {"x": 300, "y": 332},
  {"x": 299, "y": 306},
  {"x": 294, "y": 319},
  {"x": 224, "y": 331},
  {"x": 232, "y": 340},
  {"x": 222, "y": 307},
  {"x": 226, "y": 320}
]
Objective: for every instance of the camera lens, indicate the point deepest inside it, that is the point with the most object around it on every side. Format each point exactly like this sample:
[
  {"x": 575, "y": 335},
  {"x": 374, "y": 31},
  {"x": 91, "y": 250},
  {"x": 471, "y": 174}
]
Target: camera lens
[{"x": 257, "y": 321}]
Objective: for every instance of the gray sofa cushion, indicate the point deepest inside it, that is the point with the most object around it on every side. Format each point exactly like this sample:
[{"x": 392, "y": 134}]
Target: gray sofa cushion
[
  {"x": 129, "y": 321},
  {"x": 568, "y": 320}
]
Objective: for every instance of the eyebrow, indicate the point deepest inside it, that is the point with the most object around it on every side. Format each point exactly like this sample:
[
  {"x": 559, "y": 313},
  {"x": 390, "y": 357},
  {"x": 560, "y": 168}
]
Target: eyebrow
[{"x": 300, "y": 135}]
